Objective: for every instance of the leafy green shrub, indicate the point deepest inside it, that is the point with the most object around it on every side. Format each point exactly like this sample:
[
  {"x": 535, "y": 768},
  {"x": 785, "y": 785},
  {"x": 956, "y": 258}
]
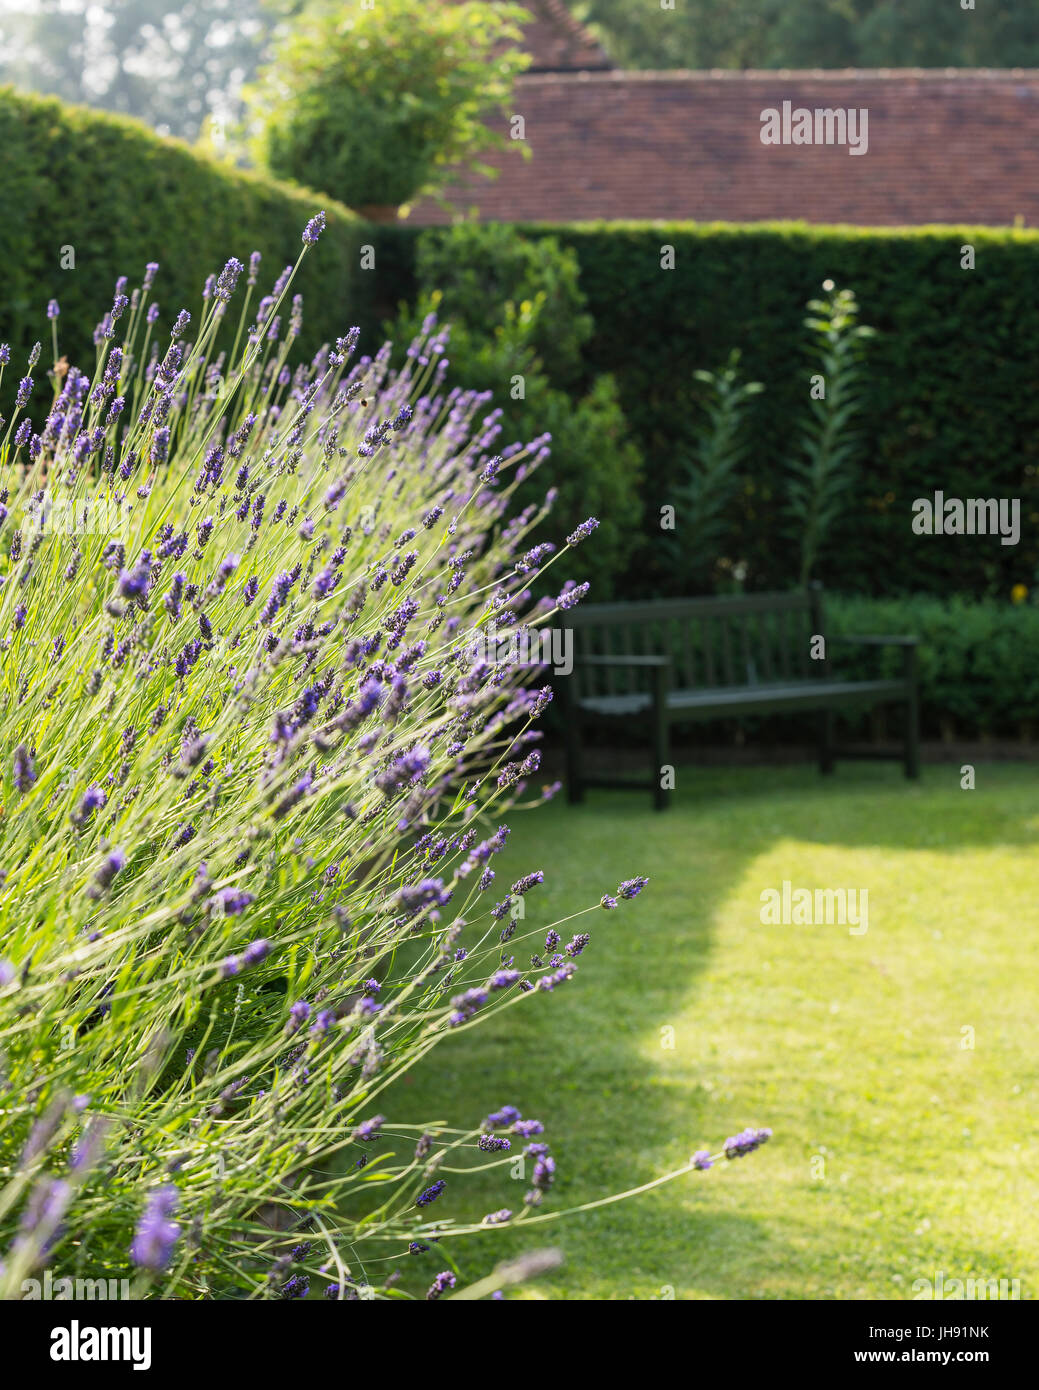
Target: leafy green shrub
[
  {"x": 819, "y": 484},
  {"x": 481, "y": 269},
  {"x": 374, "y": 105},
  {"x": 978, "y": 661},
  {"x": 706, "y": 491},
  {"x": 514, "y": 306}
]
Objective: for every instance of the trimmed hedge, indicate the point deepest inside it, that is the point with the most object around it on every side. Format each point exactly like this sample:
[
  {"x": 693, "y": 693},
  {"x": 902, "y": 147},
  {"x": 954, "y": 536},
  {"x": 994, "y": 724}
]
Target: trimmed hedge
[
  {"x": 122, "y": 196},
  {"x": 950, "y": 399}
]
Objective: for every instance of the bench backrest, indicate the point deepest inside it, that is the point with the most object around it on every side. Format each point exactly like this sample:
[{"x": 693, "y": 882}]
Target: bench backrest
[{"x": 746, "y": 639}]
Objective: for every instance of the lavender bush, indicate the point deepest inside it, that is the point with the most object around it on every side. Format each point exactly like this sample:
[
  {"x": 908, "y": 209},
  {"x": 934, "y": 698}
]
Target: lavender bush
[{"x": 252, "y": 789}]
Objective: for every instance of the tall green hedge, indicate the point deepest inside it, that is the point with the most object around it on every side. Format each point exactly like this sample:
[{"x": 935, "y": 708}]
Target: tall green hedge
[
  {"x": 950, "y": 403},
  {"x": 120, "y": 197},
  {"x": 951, "y": 399}
]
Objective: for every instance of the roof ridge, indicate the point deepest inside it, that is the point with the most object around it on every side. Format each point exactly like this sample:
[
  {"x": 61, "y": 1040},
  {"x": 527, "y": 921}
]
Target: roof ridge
[{"x": 782, "y": 74}]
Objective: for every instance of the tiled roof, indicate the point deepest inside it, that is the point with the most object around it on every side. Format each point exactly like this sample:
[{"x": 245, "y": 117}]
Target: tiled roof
[
  {"x": 556, "y": 41},
  {"x": 957, "y": 146}
]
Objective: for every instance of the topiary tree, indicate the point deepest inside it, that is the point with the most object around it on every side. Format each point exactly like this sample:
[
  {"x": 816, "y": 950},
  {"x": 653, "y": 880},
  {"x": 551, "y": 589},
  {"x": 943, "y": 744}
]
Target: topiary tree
[{"x": 376, "y": 105}]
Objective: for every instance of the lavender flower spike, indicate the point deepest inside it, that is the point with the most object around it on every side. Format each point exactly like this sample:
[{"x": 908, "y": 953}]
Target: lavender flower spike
[
  {"x": 156, "y": 1236},
  {"x": 313, "y": 229}
]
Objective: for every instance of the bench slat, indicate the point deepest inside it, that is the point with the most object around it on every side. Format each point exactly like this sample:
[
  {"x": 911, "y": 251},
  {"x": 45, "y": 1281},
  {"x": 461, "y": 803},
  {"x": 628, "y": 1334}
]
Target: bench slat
[
  {"x": 742, "y": 699},
  {"x": 637, "y": 610}
]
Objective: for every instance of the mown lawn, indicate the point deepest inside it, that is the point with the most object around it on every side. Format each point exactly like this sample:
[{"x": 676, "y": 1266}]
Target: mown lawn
[{"x": 897, "y": 1152}]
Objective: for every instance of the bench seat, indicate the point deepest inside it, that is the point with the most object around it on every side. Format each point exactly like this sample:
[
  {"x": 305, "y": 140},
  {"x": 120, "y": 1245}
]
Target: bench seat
[{"x": 748, "y": 699}]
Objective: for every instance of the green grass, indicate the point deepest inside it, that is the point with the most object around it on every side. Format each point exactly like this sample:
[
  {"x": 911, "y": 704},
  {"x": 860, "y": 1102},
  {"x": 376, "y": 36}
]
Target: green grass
[{"x": 849, "y": 1047}]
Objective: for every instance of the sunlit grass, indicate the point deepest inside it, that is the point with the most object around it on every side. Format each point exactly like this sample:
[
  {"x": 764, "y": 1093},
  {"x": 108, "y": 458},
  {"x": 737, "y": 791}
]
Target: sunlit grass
[{"x": 898, "y": 1151}]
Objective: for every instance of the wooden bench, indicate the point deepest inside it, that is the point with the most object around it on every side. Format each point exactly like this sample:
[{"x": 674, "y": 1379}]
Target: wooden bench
[{"x": 669, "y": 661}]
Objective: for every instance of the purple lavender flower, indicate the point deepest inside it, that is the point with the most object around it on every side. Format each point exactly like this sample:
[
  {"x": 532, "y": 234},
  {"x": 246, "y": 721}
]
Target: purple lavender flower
[
  {"x": 445, "y": 1280},
  {"x": 230, "y": 902},
  {"x": 160, "y": 446},
  {"x": 256, "y": 951},
  {"x": 575, "y": 946},
  {"x": 702, "y": 1160},
  {"x": 228, "y": 278},
  {"x": 526, "y": 1129},
  {"x": 632, "y": 887},
  {"x": 156, "y": 1235},
  {"x": 52, "y": 309},
  {"x": 112, "y": 864},
  {"x": 94, "y": 798},
  {"x": 186, "y": 832},
  {"x": 527, "y": 882},
  {"x": 502, "y": 979},
  {"x": 279, "y": 593},
  {"x": 313, "y": 229},
  {"x": 571, "y": 596},
  {"x": 24, "y": 772},
  {"x": 501, "y": 1119},
  {"x": 490, "y": 1143},
  {"x": 298, "y": 1015},
  {"x": 544, "y": 1174},
  {"x": 582, "y": 532},
  {"x": 430, "y": 1194},
  {"x": 746, "y": 1142},
  {"x": 134, "y": 583}
]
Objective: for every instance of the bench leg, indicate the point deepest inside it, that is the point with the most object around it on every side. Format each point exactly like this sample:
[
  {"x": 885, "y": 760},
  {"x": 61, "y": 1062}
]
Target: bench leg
[
  {"x": 912, "y": 746},
  {"x": 572, "y": 722},
  {"x": 826, "y": 741},
  {"x": 912, "y": 740},
  {"x": 661, "y": 741}
]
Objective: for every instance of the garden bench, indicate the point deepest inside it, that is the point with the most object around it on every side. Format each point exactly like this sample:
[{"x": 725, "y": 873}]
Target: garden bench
[{"x": 661, "y": 662}]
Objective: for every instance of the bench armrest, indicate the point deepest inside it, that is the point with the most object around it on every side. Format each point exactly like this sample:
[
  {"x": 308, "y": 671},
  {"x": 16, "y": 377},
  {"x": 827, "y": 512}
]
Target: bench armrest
[
  {"x": 887, "y": 640},
  {"x": 622, "y": 661}
]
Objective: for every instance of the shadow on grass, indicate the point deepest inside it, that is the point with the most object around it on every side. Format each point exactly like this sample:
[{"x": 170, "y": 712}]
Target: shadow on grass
[{"x": 588, "y": 1059}]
